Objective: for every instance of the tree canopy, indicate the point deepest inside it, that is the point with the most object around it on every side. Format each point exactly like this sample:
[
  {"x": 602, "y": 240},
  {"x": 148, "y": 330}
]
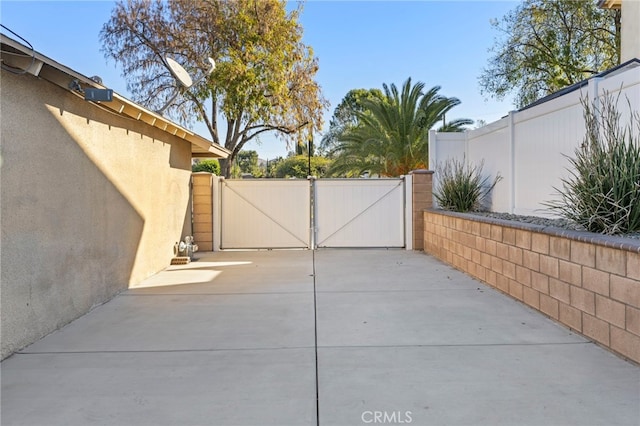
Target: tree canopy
[
  {"x": 210, "y": 166},
  {"x": 297, "y": 166},
  {"x": 391, "y": 134},
  {"x": 547, "y": 45},
  {"x": 247, "y": 162},
  {"x": 263, "y": 81},
  {"x": 344, "y": 116}
]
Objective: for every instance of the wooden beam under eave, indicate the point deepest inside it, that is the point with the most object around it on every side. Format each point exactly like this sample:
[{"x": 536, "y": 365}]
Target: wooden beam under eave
[{"x": 610, "y": 4}]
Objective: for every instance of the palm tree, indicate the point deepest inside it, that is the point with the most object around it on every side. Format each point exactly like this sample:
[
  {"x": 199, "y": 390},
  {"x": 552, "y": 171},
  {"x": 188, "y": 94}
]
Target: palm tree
[{"x": 391, "y": 137}]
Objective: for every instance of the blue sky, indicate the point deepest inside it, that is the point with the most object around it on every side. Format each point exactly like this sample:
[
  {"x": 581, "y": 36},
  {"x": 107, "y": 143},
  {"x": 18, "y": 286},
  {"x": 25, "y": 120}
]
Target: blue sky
[{"x": 360, "y": 44}]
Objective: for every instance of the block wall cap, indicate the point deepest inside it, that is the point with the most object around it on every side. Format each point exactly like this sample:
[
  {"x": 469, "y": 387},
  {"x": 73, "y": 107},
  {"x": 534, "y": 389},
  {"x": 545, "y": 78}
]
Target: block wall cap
[{"x": 610, "y": 241}]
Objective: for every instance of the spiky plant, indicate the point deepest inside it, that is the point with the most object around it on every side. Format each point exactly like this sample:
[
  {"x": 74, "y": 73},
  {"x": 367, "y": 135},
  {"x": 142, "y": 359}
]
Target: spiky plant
[
  {"x": 461, "y": 187},
  {"x": 602, "y": 192}
]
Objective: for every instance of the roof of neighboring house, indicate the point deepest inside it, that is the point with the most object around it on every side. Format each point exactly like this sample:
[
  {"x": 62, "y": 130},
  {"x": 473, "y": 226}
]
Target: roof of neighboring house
[
  {"x": 25, "y": 59},
  {"x": 632, "y": 63}
]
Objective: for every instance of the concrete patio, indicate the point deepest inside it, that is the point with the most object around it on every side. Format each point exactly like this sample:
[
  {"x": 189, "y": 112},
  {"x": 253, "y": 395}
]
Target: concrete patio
[{"x": 332, "y": 337}]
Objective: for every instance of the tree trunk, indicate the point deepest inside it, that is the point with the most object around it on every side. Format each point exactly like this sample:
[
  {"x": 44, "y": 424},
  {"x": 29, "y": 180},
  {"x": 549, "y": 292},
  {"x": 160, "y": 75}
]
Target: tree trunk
[{"x": 225, "y": 167}]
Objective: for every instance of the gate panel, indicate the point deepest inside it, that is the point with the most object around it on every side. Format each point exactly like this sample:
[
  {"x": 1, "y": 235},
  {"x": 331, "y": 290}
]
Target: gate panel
[
  {"x": 359, "y": 213},
  {"x": 265, "y": 214}
]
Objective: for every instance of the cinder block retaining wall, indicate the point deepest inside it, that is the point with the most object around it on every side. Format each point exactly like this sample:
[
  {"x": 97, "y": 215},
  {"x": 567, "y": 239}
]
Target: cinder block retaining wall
[{"x": 588, "y": 282}]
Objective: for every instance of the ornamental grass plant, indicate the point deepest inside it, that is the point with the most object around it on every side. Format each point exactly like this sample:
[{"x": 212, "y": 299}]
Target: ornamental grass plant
[
  {"x": 460, "y": 186},
  {"x": 602, "y": 192}
]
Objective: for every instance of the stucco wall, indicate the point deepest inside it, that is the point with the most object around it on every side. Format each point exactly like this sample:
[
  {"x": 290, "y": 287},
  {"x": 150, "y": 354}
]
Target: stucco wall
[{"x": 91, "y": 203}]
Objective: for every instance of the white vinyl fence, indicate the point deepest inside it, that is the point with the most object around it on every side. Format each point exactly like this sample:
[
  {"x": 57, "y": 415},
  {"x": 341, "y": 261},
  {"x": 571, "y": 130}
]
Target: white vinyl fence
[{"x": 529, "y": 148}]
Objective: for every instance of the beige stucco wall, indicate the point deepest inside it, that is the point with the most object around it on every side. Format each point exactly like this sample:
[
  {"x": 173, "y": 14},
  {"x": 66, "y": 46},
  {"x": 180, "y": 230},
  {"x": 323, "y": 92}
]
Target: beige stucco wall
[
  {"x": 91, "y": 203},
  {"x": 630, "y": 30}
]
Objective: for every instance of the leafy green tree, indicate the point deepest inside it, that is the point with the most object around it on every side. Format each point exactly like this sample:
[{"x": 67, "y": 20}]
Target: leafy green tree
[
  {"x": 248, "y": 163},
  {"x": 264, "y": 76},
  {"x": 272, "y": 167},
  {"x": 547, "y": 45},
  {"x": 297, "y": 166},
  {"x": 210, "y": 166},
  {"x": 344, "y": 116},
  {"x": 392, "y": 134}
]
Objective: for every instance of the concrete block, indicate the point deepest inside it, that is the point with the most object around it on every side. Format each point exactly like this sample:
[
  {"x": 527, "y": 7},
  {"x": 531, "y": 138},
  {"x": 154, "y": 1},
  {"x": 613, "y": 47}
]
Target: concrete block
[
  {"x": 626, "y": 343},
  {"x": 509, "y": 270},
  {"x": 502, "y": 251},
  {"x": 485, "y": 230},
  {"x": 199, "y": 228},
  {"x": 531, "y": 297},
  {"x": 583, "y": 253},
  {"x": 570, "y": 272},
  {"x": 611, "y": 311},
  {"x": 201, "y": 238},
  {"x": 503, "y": 283},
  {"x": 491, "y": 247},
  {"x": 475, "y": 228},
  {"x": 492, "y": 278},
  {"x": 560, "y": 247},
  {"x": 595, "y": 280},
  {"x": 540, "y": 243},
  {"x": 633, "y": 266},
  {"x": 625, "y": 290},
  {"x": 559, "y": 290},
  {"x": 523, "y": 239},
  {"x": 523, "y": 275},
  {"x": 540, "y": 282},
  {"x": 611, "y": 260},
  {"x": 549, "y": 306},
  {"x": 201, "y": 190},
  {"x": 549, "y": 266},
  {"x": 485, "y": 260},
  {"x": 202, "y": 218},
  {"x": 596, "y": 329},
  {"x": 496, "y": 233},
  {"x": 583, "y": 299},
  {"x": 531, "y": 260},
  {"x": 632, "y": 320},
  {"x": 515, "y": 289},
  {"x": 570, "y": 316},
  {"x": 509, "y": 236},
  {"x": 515, "y": 255}
]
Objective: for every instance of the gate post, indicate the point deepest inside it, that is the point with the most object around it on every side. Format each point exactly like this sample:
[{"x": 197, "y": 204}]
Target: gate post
[
  {"x": 422, "y": 198},
  {"x": 202, "y": 210}
]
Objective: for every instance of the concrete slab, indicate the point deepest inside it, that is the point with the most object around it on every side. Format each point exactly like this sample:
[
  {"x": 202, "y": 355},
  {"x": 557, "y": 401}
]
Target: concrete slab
[
  {"x": 254, "y": 387},
  {"x": 384, "y": 270},
  {"x": 563, "y": 384},
  {"x": 432, "y": 317},
  {"x": 189, "y": 322},
  {"x": 229, "y": 340},
  {"x": 235, "y": 272}
]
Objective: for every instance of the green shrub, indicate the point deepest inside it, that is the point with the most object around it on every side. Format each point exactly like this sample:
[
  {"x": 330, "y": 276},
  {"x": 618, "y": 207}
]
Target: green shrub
[
  {"x": 460, "y": 186},
  {"x": 298, "y": 167},
  {"x": 602, "y": 192},
  {"x": 211, "y": 166}
]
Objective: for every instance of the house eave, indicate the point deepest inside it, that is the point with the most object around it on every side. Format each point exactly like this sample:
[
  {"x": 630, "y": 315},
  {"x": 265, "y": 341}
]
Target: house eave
[
  {"x": 610, "y": 4},
  {"x": 34, "y": 63}
]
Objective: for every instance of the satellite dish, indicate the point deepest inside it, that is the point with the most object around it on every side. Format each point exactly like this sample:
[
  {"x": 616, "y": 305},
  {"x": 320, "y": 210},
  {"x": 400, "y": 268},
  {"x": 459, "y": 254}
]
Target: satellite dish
[
  {"x": 183, "y": 78},
  {"x": 180, "y": 73},
  {"x": 213, "y": 65}
]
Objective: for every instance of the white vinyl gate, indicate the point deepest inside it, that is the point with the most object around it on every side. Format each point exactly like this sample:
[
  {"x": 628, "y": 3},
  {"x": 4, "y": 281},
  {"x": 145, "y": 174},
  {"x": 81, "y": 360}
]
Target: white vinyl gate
[
  {"x": 270, "y": 213},
  {"x": 276, "y": 214},
  {"x": 359, "y": 213}
]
